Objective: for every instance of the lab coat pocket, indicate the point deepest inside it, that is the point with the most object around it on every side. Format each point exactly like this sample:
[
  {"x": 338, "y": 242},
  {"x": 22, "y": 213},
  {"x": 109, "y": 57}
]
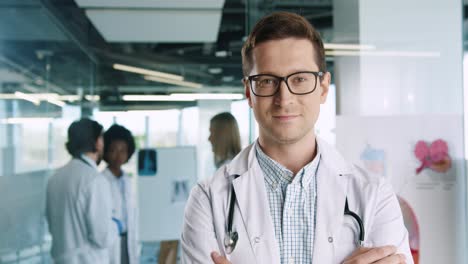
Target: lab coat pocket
[{"x": 345, "y": 241}]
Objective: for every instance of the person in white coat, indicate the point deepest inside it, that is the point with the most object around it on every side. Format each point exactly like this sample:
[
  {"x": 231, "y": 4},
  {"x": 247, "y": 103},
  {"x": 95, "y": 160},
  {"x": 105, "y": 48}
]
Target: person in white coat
[
  {"x": 283, "y": 199},
  {"x": 78, "y": 202},
  {"x": 119, "y": 146}
]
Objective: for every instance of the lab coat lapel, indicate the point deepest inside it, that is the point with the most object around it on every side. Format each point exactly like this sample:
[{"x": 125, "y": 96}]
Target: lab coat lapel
[
  {"x": 254, "y": 210},
  {"x": 332, "y": 185}
]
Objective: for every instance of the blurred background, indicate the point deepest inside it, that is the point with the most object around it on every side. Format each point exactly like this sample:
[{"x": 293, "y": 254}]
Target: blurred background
[{"x": 163, "y": 68}]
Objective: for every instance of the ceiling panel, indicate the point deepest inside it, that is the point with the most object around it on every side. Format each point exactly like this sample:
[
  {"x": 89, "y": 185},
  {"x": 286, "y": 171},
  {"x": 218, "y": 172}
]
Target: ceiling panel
[
  {"x": 187, "y": 4},
  {"x": 156, "y": 26},
  {"x": 28, "y": 24}
]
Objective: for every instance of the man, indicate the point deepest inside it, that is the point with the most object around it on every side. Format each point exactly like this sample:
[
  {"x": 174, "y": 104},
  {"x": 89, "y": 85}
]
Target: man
[
  {"x": 290, "y": 190},
  {"x": 78, "y": 203}
]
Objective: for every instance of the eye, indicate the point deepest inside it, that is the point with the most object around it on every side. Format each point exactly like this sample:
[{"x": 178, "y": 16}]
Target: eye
[
  {"x": 266, "y": 81},
  {"x": 299, "y": 79}
]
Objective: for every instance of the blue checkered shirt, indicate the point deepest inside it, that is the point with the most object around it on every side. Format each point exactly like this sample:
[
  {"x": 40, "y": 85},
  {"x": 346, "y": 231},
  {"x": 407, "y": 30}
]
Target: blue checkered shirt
[{"x": 292, "y": 200}]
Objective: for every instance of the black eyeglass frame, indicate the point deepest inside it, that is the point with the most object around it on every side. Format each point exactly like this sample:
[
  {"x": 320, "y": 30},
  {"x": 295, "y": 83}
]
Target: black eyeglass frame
[{"x": 285, "y": 79}]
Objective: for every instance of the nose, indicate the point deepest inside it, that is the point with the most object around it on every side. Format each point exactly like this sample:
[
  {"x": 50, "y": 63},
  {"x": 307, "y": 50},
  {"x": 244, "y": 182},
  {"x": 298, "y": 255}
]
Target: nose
[{"x": 283, "y": 96}]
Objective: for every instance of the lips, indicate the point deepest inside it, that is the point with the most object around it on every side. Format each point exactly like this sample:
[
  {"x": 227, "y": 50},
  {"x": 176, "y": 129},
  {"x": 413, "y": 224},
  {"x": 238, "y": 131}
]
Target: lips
[{"x": 285, "y": 117}]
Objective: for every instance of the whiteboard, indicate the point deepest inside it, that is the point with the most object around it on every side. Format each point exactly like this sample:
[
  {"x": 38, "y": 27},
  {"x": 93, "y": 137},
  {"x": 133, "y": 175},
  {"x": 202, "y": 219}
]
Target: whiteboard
[{"x": 162, "y": 197}]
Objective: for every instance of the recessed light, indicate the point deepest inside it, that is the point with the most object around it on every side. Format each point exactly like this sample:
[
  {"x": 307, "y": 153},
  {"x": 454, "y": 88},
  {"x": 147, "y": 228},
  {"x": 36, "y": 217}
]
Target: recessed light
[
  {"x": 215, "y": 70},
  {"x": 221, "y": 53},
  {"x": 227, "y": 78}
]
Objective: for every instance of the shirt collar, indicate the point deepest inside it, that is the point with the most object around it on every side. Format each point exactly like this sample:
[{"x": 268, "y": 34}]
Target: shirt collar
[{"x": 276, "y": 174}]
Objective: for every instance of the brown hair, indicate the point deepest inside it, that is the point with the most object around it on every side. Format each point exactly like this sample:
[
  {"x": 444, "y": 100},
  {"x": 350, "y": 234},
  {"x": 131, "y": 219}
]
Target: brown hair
[
  {"x": 281, "y": 25},
  {"x": 226, "y": 137}
]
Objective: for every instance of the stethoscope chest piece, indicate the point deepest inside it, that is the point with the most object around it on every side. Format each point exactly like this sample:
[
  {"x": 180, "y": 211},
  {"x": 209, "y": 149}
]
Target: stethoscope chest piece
[{"x": 230, "y": 241}]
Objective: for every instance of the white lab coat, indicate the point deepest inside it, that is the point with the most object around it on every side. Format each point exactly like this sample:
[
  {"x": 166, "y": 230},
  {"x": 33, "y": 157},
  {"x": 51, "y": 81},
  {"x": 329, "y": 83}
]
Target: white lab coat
[
  {"x": 132, "y": 217},
  {"x": 79, "y": 214},
  {"x": 372, "y": 198}
]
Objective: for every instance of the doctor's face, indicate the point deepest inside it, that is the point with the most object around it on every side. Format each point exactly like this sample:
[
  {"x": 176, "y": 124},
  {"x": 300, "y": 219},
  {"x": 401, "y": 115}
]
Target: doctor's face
[
  {"x": 286, "y": 118},
  {"x": 117, "y": 153}
]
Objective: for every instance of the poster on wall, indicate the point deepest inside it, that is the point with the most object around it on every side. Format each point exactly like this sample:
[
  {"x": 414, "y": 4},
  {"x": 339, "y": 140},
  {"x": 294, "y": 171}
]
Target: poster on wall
[{"x": 422, "y": 156}]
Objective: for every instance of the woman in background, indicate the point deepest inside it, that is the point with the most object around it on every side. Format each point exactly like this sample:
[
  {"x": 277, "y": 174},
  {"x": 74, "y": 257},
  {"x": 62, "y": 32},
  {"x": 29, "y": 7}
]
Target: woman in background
[
  {"x": 224, "y": 138},
  {"x": 119, "y": 147}
]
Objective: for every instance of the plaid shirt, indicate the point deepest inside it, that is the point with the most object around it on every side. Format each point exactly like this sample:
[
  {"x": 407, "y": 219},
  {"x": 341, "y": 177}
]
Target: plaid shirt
[{"x": 292, "y": 200}]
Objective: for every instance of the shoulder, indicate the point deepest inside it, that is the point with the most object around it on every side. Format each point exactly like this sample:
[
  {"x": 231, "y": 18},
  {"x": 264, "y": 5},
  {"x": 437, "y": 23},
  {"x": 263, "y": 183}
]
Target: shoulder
[
  {"x": 212, "y": 185},
  {"x": 334, "y": 160},
  {"x": 221, "y": 178}
]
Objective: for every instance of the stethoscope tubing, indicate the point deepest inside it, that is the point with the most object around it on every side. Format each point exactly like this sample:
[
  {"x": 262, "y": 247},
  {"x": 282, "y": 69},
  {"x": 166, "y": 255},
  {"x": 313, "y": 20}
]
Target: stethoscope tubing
[
  {"x": 358, "y": 220},
  {"x": 346, "y": 212}
]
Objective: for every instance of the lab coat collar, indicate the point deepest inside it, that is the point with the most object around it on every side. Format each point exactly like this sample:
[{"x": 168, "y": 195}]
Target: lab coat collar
[
  {"x": 332, "y": 184},
  {"x": 333, "y": 160},
  {"x": 89, "y": 161}
]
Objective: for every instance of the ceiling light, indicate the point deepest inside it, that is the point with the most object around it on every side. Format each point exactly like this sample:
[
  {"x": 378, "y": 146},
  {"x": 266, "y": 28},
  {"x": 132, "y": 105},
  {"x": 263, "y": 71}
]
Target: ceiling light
[
  {"x": 227, "y": 78},
  {"x": 183, "y": 97},
  {"x": 215, "y": 70},
  {"x": 24, "y": 120},
  {"x": 384, "y": 53},
  {"x": 343, "y": 46},
  {"x": 208, "y": 96},
  {"x": 151, "y": 98},
  {"x": 27, "y": 97},
  {"x": 221, "y": 53},
  {"x": 56, "y": 102},
  {"x": 143, "y": 71},
  {"x": 175, "y": 82}
]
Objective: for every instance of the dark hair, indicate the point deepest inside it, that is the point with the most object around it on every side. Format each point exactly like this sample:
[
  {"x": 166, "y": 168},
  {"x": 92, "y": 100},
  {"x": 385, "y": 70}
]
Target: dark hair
[
  {"x": 282, "y": 25},
  {"x": 117, "y": 132},
  {"x": 82, "y": 136}
]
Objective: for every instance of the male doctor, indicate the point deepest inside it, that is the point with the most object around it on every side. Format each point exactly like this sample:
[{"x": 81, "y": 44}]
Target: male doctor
[
  {"x": 78, "y": 203},
  {"x": 290, "y": 187}
]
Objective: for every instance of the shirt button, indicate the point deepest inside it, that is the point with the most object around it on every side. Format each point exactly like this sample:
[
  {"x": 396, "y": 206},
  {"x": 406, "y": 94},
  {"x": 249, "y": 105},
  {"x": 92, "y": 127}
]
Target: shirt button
[
  {"x": 256, "y": 240},
  {"x": 330, "y": 239},
  {"x": 291, "y": 260}
]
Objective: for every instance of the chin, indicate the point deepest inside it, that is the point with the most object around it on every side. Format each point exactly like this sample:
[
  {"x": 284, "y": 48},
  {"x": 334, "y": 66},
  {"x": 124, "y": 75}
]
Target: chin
[{"x": 287, "y": 136}]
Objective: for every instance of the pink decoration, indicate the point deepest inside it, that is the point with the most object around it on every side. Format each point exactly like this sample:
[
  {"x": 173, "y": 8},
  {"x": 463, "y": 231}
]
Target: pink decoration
[{"x": 435, "y": 156}]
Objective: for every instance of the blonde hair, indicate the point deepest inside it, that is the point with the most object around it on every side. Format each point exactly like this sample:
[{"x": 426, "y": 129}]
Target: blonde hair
[{"x": 226, "y": 137}]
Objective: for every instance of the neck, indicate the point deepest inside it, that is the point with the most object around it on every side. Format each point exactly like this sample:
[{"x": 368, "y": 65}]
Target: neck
[
  {"x": 292, "y": 155},
  {"x": 116, "y": 171},
  {"x": 92, "y": 155}
]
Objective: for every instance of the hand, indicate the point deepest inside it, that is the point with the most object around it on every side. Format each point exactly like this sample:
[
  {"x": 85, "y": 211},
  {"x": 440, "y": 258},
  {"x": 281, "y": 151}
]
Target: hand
[
  {"x": 378, "y": 255},
  {"x": 218, "y": 259}
]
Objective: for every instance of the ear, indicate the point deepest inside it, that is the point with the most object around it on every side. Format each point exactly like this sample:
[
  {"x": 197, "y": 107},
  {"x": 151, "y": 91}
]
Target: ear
[
  {"x": 246, "y": 83},
  {"x": 324, "y": 85}
]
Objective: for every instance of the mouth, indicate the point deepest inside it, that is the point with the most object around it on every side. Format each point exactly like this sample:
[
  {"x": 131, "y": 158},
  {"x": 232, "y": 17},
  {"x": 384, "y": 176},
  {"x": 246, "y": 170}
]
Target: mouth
[{"x": 285, "y": 117}]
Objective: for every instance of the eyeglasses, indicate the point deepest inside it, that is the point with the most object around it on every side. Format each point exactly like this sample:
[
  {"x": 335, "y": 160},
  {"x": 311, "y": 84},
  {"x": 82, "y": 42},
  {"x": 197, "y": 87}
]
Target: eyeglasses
[{"x": 299, "y": 83}]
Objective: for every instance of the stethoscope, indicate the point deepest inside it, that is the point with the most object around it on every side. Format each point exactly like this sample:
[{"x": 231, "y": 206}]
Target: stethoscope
[
  {"x": 358, "y": 220},
  {"x": 231, "y": 238}
]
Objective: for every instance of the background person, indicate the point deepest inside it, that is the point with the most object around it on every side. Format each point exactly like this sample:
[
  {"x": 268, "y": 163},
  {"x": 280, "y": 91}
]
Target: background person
[
  {"x": 224, "y": 138},
  {"x": 119, "y": 146},
  {"x": 78, "y": 202}
]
